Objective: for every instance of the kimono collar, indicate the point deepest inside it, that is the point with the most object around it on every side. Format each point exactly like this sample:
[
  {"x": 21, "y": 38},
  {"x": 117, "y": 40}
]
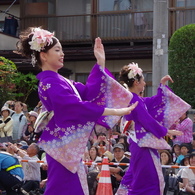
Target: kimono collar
[{"x": 47, "y": 73}]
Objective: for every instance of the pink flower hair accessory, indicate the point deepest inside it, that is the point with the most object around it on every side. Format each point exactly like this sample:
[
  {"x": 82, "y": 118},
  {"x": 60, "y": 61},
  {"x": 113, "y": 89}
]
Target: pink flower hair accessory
[
  {"x": 134, "y": 70},
  {"x": 40, "y": 39}
]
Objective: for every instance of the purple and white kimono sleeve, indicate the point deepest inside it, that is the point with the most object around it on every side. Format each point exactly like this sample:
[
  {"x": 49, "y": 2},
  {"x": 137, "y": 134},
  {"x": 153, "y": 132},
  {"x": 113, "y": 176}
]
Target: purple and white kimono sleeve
[
  {"x": 165, "y": 108},
  {"x": 103, "y": 90},
  {"x": 75, "y": 114}
]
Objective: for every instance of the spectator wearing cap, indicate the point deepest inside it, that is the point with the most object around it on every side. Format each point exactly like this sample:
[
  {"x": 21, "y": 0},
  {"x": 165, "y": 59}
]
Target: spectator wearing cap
[
  {"x": 184, "y": 151},
  {"x": 176, "y": 151},
  {"x": 29, "y": 135},
  {"x": 32, "y": 175},
  {"x": 32, "y": 115},
  {"x": 117, "y": 171},
  {"x": 22, "y": 143},
  {"x": 6, "y": 123}
]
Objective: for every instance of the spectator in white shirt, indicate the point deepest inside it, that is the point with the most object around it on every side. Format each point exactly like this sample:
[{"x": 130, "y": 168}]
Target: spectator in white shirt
[
  {"x": 6, "y": 123},
  {"x": 32, "y": 175}
]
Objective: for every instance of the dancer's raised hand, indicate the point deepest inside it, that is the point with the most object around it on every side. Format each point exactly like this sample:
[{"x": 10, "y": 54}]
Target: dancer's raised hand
[
  {"x": 165, "y": 79},
  {"x": 99, "y": 52}
]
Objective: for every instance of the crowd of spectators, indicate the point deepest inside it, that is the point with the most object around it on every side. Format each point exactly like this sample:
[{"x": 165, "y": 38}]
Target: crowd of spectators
[{"x": 19, "y": 141}]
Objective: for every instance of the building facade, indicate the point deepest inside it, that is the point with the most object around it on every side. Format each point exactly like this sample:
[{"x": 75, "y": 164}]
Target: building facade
[{"x": 125, "y": 27}]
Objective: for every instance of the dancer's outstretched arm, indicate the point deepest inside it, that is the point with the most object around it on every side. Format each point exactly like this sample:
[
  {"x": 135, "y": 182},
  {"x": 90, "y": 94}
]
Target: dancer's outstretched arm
[
  {"x": 119, "y": 112},
  {"x": 172, "y": 133}
]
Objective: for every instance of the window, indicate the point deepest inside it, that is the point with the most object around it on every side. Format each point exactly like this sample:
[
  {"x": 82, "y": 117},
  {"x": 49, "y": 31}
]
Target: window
[
  {"x": 190, "y": 3},
  {"x": 185, "y": 3},
  {"x": 75, "y": 7},
  {"x": 116, "y": 5},
  {"x": 148, "y": 80}
]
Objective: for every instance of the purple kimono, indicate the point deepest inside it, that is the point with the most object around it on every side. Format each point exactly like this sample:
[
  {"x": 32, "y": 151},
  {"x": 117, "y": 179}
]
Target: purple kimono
[
  {"x": 77, "y": 108},
  {"x": 152, "y": 117}
]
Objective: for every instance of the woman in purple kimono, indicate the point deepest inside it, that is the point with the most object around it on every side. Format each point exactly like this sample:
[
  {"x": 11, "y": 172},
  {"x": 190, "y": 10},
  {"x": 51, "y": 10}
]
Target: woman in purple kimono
[
  {"x": 76, "y": 109},
  {"x": 151, "y": 118}
]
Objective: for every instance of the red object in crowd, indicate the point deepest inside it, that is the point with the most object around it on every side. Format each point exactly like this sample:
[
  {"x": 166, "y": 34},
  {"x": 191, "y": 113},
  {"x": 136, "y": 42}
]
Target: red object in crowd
[{"x": 127, "y": 126}]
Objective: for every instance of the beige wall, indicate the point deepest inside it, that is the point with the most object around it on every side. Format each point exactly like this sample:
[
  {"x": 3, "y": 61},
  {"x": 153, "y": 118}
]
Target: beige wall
[{"x": 8, "y": 43}]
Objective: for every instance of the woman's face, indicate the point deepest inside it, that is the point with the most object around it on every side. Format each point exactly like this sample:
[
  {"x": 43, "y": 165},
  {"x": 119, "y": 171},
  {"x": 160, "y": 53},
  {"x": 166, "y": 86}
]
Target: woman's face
[
  {"x": 53, "y": 59},
  {"x": 164, "y": 158},
  {"x": 186, "y": 162},
  {"x": 92, "y": 151},
  {"x": 177, "y": 149},
  {"x": 141, "y": 84},
  {"x": 32, "y": 118},
  {"x": 184, "y": 150},
  {"x": 102, "y": 138},
  {"x": 192, "y": 161},
  {"x": 5, "y": 113}
]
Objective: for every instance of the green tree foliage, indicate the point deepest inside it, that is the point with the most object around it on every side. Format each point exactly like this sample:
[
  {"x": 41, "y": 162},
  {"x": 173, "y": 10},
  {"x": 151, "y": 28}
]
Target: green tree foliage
[
  {"x": 7, "y": 85},
  {"x": 13, "y": 84},
  {"x": 182, "y": 63},
  {"x": 25, "y": 83}
]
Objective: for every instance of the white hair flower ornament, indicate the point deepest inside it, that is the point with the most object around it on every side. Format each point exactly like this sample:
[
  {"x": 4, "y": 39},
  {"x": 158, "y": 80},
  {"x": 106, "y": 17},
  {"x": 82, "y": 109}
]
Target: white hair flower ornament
[
  {"x": 134, "y": 70},
  {"x": 40, "y": 39}
]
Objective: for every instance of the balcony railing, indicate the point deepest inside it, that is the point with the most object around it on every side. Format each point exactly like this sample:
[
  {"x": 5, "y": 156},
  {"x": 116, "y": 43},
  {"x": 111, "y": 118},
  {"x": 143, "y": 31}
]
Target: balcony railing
[
  {"x": 108, "y": 26},
  {"x": 86, "y": 27},
  {"x": 181, "y": 17}
]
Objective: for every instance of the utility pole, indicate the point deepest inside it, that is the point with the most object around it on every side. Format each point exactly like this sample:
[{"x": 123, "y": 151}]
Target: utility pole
[{"x": 160, "y": 42}]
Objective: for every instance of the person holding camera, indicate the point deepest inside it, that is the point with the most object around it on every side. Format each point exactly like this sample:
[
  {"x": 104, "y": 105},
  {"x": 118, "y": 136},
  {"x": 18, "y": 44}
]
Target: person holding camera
[{"x": 102, "y": 143}]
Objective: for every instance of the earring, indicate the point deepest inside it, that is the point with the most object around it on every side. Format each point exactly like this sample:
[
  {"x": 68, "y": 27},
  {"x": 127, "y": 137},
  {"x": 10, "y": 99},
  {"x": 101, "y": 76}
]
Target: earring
[{"x": 33, "y": 59}]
